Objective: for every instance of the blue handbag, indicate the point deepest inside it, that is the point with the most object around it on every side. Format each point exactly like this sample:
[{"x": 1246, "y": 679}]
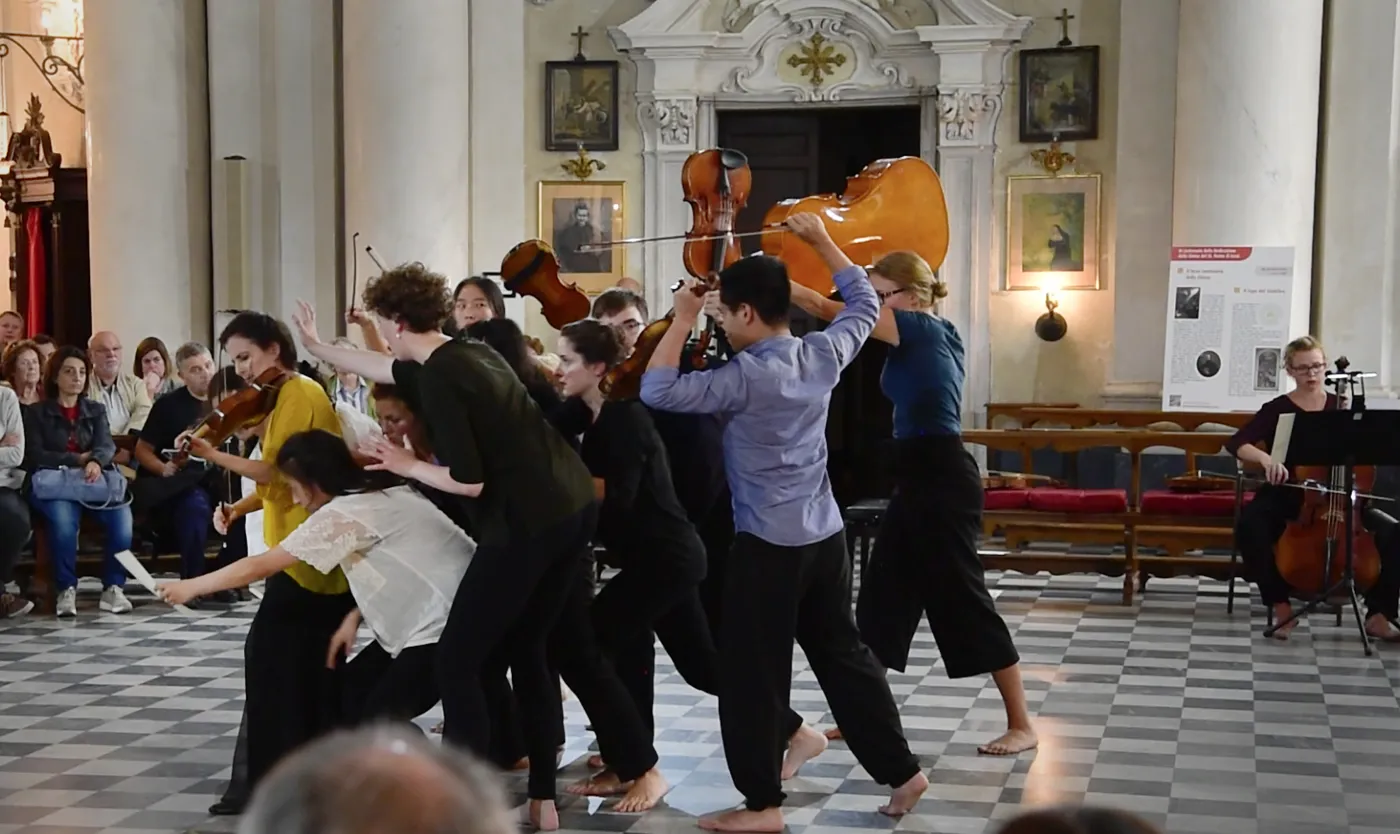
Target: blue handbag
[{"x": 67, "y": 483}]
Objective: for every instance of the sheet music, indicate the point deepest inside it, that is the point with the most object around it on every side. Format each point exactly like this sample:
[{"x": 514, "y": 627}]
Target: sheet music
[
  {"x": 1278, "y": 451},
  {"x": 140, "y": 574}
]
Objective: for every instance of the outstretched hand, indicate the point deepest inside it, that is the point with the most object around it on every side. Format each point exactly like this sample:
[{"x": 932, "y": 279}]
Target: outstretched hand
[
  {"x": 304, "y": 317},
  {"x": 808, "y": 227}
]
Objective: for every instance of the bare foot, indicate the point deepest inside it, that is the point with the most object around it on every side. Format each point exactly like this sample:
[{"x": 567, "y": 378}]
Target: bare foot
[
  {"x": 767, "y": 821},
  {"x": 644, "y": 793},
  {"x": 834, "y": 734},
  {"x": 523, "y": 763},
  {"x": 806, "y": 744},
  {"x": 599, "y": 784},
  {"x": 1282, "y": 612},
  {"x": 540, "y": 814},
  {"x": 595, "y": 761},
  {"x": 1010, "y": 743},
  {"x": 1384, "y": 630},
  {"x": 906, "y": 796}
]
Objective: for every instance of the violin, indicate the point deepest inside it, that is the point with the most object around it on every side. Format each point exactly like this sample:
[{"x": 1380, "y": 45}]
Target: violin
[
  {"x": 1310, "y": 554},
  {"x": 892, "y": 205},
  {"x": 1018, "y": 480},
  {"x": 241, "y": 409},
  {"x": 624, "y": 380},
  {"x": 532, "y": 269}
]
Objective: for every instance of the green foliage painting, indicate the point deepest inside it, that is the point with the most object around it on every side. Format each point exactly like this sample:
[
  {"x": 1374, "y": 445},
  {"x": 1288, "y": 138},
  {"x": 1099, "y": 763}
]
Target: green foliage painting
[{"x": 1052, "y": 232}]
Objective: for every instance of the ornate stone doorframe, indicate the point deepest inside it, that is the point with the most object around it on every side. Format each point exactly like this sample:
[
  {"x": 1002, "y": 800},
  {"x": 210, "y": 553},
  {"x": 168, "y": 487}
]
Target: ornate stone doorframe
[{"x": 697, "y": 57}]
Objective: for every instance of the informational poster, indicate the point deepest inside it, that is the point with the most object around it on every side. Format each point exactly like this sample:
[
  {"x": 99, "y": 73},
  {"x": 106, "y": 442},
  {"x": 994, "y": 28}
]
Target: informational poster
[{"x": 1227, "y": 324}]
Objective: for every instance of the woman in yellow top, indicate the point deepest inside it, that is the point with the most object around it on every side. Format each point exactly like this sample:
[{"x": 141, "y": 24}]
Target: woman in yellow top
[{"x": 290, "y": 694}]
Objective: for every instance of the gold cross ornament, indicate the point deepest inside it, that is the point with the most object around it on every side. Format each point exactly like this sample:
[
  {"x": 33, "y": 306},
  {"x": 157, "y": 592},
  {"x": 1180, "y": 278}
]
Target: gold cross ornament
[{"x": 817, "y": 59}]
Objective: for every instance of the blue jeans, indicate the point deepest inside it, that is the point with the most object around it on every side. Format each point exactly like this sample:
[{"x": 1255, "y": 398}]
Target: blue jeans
[
  {"x": 189, "y": 515},
  {"x": 61, "y": 526}
]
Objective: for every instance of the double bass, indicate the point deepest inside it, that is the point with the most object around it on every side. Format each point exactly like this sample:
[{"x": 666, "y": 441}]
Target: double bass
[{"x": 1311, "y": 553}]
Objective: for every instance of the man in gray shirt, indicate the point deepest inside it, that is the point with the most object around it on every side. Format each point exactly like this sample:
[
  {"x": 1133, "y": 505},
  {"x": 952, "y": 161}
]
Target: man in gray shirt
[{"x": 14, "y": 513}]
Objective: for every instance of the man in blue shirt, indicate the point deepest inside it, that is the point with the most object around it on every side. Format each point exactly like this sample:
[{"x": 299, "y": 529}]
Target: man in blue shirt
[{"x": 788, "y": 575}]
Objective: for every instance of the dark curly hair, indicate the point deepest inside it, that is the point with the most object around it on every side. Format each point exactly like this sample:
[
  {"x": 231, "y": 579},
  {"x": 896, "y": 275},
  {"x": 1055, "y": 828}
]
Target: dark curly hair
[
  {"x": 265, "y": 332},
  {"x": 412, "y": 295},
  {"x": 594, "y": 341},
  {"x": 55, "y": 364}
]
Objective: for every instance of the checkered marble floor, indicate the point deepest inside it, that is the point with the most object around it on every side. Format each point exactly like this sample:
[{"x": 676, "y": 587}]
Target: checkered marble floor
[{"x": 1171, "y": 708}]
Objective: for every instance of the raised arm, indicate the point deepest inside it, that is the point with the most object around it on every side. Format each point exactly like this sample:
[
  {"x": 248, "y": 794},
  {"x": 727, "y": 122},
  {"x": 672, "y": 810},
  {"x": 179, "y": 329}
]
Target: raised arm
[
  {"x": 815, "y": 304},
  {"x": 367, "y": 364},
  {"x": 368, "y": 331}
]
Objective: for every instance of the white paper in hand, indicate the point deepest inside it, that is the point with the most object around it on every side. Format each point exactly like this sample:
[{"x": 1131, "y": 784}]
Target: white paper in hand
[{"x": 140, "y": 574}]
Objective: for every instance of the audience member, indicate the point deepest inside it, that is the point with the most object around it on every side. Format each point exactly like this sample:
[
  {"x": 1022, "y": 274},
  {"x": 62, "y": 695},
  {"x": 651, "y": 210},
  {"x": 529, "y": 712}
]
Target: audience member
[
  {"x": 348, "y": 389},
  {"x": 125, "y": 396},
  {"x": 152, "y": 366},
  {"x": 1070, "y": 820},
  {"x": 68, "y": 429},
  {"x": 22, "y": 367},
  {"x": 11, "y": 327},
  {"x": 46, "y": 344},
  {"x": 378, "y": 780},
  {"x": 14, "y": 515}
]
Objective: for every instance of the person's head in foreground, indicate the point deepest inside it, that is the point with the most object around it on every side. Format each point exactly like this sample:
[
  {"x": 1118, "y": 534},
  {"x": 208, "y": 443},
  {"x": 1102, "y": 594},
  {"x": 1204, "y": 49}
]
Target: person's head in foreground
[
  {"x": 408, "y": 299},
  {"x": 384, "y": 779},
  {"x": 1069, "y": 820},
  {"x": 754, "y": 300}
]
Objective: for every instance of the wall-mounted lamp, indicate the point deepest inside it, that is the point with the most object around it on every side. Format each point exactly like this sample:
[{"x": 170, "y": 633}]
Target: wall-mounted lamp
[{"x": 1051, "y": 326}]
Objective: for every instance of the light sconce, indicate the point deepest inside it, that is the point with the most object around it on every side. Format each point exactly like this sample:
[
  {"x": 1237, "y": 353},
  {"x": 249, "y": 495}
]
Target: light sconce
[{"x": 1051, "y": 326}]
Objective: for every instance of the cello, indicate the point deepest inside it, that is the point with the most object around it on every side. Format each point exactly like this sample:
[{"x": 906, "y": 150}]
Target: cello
[
  {"x": 531, "y": 268},
  {"x": 1311, "y": 553}
]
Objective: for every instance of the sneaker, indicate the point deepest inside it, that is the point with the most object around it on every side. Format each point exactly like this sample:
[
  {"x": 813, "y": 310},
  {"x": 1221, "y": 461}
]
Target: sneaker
[
  {"x": 67, "y": 605},
  {"x": 114, "y": 600},
  {"x": 258, "y": 588},
  {"x": 13, "y": 605}
]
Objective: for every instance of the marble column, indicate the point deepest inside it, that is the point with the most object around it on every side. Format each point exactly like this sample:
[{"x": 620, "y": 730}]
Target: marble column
[
  {"x": 1358, "y": 311},
  {"x": 1248, "y": 82},
  {"x": 407, "y": 130},
  {"x": 148, "y": 169}
]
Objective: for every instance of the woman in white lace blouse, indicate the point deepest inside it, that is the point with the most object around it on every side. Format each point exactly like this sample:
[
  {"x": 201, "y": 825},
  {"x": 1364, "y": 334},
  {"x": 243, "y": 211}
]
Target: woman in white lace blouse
[{"x": 401, "y": 555}]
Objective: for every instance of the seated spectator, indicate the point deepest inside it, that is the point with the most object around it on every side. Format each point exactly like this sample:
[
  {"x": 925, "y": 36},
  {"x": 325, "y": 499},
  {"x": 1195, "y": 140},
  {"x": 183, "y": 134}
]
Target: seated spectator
[
  {"x": 179, "y": 500},
  {"x": 1087, "y": 820},
  {"x": 348, "y": 388},
  {"x": 14, "y": 515},
  {"x": 22, "y": 367},
  {"x": 376, "y": 780},
  {"x": 124, "y": 395},
  {"x": 67, "y": 429},
  {"x": 152, "y": 366},
  {"x": 46, "y": 346},
  {"x": 11, "y": 328}
]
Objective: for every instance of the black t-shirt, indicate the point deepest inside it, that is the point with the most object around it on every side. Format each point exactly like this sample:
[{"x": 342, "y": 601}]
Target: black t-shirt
[
  {"x": 486, "y": 429},
  {"x": 640, "y": 517},
  {"x": 695, "y": 448},
  {"x": 170, "y": 415}
]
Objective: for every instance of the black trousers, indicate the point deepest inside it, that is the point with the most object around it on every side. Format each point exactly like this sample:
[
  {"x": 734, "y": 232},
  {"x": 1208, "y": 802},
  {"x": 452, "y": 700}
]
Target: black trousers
[
  {"x": 379, "y": 687},
  {"x": 776, "y": 594},
  {"x": 925, "y": 564},
  {"x": 511, "y": 597},
  {"x": 1262, "y": 522},
  {"x": 291, "y": 696},
  {"x": 624, "y": 738},
  {"x": 14, "y": 530},
  {"x": 717, "y": 533}
]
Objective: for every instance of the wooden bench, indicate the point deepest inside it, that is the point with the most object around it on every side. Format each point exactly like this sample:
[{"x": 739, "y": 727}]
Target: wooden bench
[{"x": 1160, "y": 519}]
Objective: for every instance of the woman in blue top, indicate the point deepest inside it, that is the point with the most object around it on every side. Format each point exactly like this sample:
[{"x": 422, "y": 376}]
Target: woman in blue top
[{"x": 925, "y": 560}]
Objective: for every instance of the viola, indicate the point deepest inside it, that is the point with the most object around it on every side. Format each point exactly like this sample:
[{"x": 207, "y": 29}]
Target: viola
[
  {"x": 532, "y": 269},
  {"x": 242, "y": 409},
  {"x": 1311, "y": 553},
  {"x": 892, "y": 205}
]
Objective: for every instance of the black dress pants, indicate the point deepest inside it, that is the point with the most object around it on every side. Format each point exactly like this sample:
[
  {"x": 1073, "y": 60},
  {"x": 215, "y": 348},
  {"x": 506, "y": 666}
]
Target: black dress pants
[
  {"x": 14, "y": 530},
  {"x": 773, "y": 595},
  {"x": 511, "y": 597},
  {"x": 716, "y": 531},
  {"x": 925, "y": 564},
  {"x": 379, "y": 687}
]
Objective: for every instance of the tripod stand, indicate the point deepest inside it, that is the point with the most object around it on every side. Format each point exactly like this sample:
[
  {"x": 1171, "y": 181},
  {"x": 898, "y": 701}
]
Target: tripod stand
[{"x": 1342, "y": 439}]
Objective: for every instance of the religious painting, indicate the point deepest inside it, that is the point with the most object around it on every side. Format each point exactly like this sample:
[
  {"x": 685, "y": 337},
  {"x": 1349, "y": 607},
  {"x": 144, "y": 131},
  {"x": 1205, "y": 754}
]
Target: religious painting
[
  {"x": 1059, "y": 96},
  {"x": 580, "y": 220},
  {"x": 1052, "y": 232},
  {"x": 580, "y": 105}
]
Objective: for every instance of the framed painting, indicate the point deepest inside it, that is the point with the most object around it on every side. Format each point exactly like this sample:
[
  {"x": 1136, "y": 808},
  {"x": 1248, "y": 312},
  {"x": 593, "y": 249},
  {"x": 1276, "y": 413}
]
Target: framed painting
[
  {"x": 1052, "y": 232},
  {"x": 1059, "y": 95},
  {"x": 580, "y": 105},
  {"x": 574, "y": 213}
]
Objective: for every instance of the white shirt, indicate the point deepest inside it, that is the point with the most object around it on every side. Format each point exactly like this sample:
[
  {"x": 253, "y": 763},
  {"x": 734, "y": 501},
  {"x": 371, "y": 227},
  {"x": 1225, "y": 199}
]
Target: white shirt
[
  {"x": 252, "y": 522},
  {"x": 118, "y": 413},
  {"x": 401, "y": 555}
]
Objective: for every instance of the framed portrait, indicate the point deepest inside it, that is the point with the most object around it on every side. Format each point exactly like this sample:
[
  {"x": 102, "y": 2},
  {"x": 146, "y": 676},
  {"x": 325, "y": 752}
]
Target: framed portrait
[
  {"x": 1052, "y": 232},
  {"x": 1059, "y": 96},
  {"x": 574, "y": 213},
  {"x": 580, "y": 105}
]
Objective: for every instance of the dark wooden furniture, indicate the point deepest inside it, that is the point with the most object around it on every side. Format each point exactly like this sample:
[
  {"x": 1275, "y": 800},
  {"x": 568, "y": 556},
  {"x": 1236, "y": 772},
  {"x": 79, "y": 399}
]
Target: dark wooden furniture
[{"x": 59, "y": 195}]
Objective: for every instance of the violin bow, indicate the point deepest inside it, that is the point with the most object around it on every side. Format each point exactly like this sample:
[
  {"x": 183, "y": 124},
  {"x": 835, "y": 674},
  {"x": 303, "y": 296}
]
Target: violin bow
[{"x": 354, "y": 270}]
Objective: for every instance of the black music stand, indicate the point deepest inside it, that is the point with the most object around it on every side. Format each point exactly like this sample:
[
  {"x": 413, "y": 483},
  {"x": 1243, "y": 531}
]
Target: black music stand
[{"x": 1347, "y": 439}]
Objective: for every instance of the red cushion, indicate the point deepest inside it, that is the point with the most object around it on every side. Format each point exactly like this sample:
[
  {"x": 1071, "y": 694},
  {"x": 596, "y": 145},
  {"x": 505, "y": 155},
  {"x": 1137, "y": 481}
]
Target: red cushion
[
  {"x": 1050, "y": 499},
  {"x": 1215, "y": 503},
  {"x": 1005, "y": 499}
]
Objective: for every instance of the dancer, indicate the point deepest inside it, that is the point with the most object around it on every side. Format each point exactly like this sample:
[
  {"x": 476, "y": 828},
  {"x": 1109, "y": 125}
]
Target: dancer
[
  {"x": 533, "y": 524},
  {"x": 788, "y": 574},
  {"x": 287, "y": 682},
  {"x": 402, "y": 557},
  {"x": 925, "y": 560}
]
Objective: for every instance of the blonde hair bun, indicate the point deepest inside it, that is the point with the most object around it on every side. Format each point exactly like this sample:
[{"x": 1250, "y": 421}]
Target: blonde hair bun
[{"x": 913, "y": 275}]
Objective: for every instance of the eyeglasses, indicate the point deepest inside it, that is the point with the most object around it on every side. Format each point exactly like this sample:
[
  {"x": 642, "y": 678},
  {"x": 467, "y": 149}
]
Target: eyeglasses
[
  {"x": 885, "y": 295},
  {"x": 631, "y": 325},
  {"x": 1309, "y": 370}
]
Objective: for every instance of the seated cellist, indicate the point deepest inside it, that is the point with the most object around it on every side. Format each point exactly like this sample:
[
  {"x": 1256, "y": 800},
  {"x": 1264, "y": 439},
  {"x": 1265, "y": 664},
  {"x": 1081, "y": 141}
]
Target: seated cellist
[{"x": 1262, "y": 520}]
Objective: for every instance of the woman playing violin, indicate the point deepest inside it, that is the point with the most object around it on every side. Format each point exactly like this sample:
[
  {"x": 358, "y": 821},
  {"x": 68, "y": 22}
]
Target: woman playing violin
[
  {"x": 288, "y": 685},
  {"x": 1262, "y": 521}
]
